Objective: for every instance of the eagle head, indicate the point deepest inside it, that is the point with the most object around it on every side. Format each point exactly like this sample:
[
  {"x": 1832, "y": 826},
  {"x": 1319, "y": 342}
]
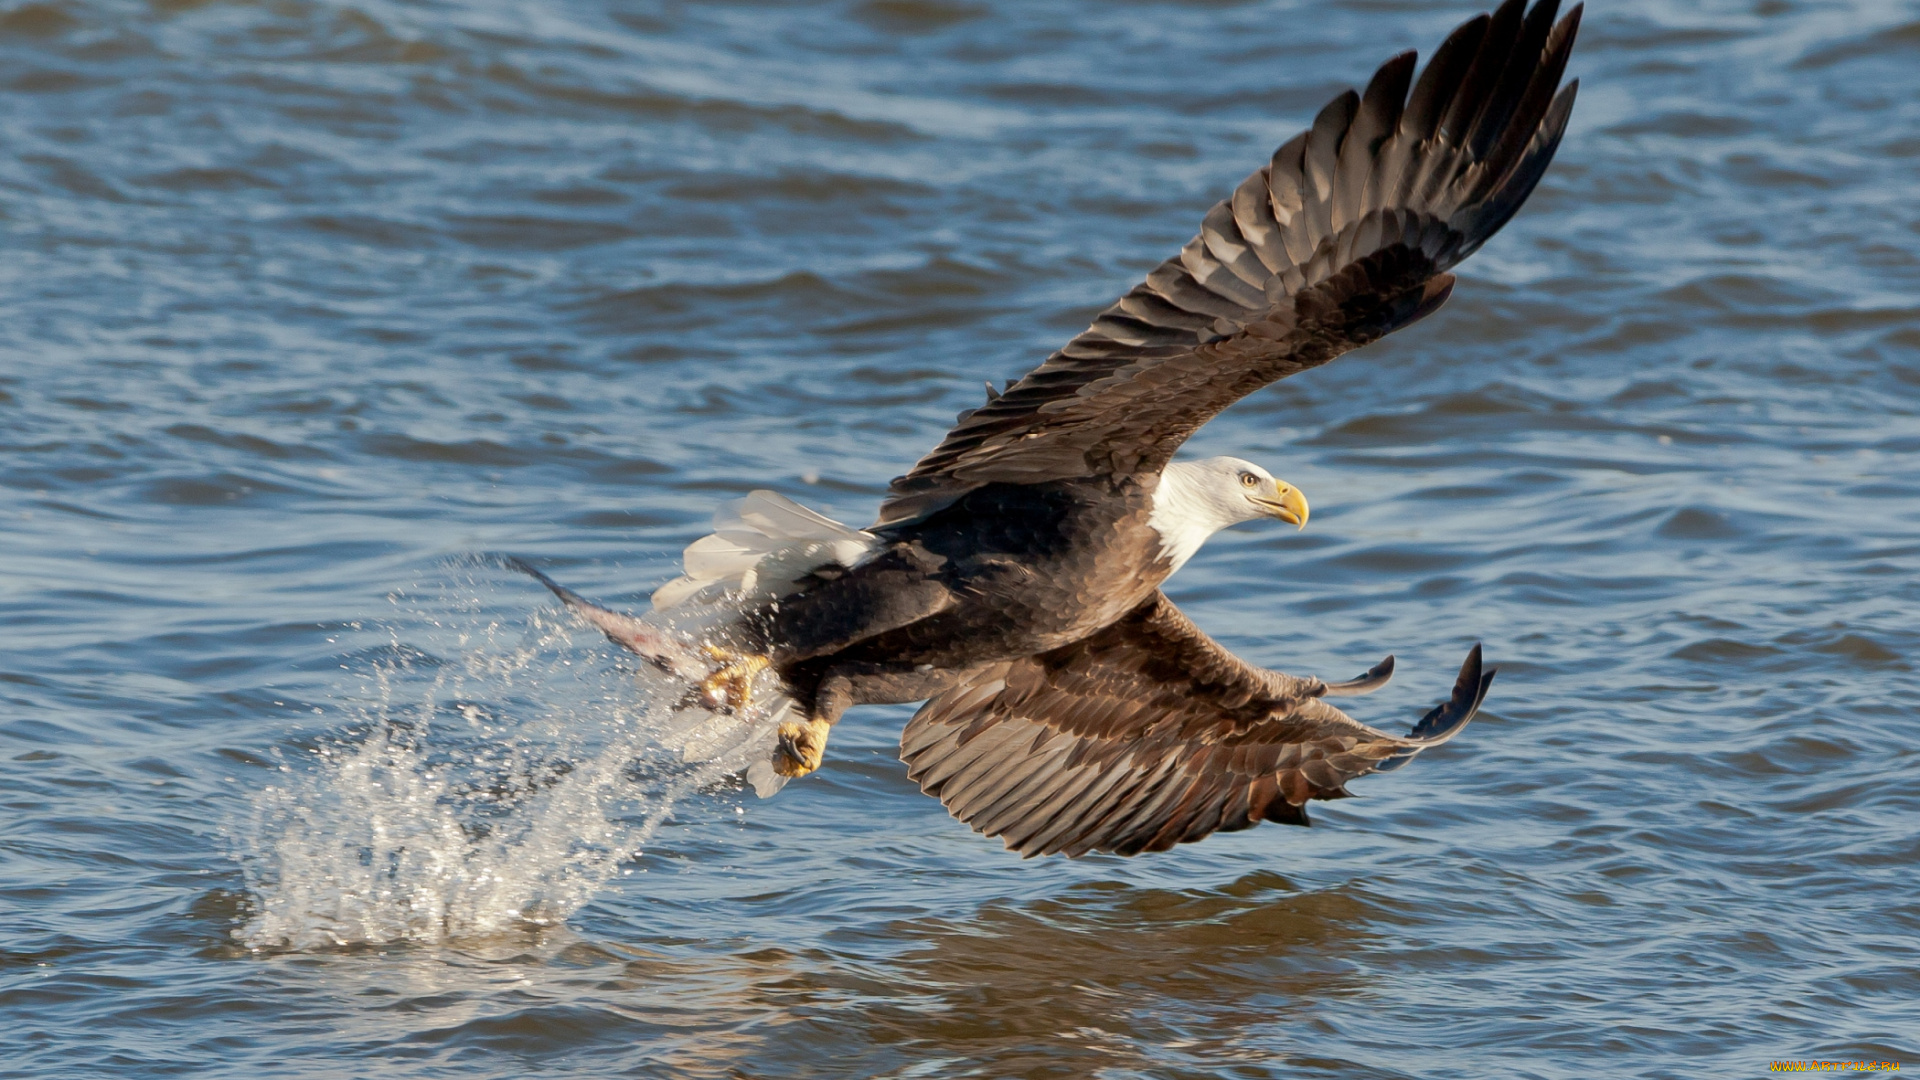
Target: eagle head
[{"x": 1196, "y": 499}]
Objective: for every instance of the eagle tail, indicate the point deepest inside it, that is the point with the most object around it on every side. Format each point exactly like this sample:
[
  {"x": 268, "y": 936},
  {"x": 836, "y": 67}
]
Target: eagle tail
[{"x": 763, "y": 544}]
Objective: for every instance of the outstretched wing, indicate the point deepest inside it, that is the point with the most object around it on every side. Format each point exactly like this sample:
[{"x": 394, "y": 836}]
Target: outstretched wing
[
  {"x": 1149, "y": 734},
  {"x": 1344, "y": 237}
]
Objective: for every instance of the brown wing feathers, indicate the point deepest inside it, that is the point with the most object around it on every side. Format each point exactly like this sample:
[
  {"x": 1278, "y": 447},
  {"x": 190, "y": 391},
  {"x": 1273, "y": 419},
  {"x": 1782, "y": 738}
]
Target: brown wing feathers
[
  {"x": 1149, "y": 734},
  {"x": 1344, "y": 236}
]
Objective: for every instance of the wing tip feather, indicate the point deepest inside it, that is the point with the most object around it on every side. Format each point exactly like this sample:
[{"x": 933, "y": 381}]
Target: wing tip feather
[
  {"x": 1482, "y": 85},
  {"x": 1450, "y": 717},
  {"x": 1366, "y": 682}
]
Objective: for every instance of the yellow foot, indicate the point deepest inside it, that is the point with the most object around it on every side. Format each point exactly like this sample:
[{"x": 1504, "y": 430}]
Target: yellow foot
[
  {"x": 732, "y": 686},
  {"x": 802, "y": 745}
]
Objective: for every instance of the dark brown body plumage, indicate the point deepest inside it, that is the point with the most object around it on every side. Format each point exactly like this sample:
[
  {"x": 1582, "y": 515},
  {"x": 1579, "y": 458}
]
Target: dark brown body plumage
[
  {"x": 1043, "y": 564},
  {"x": 1005, "y": 571}
]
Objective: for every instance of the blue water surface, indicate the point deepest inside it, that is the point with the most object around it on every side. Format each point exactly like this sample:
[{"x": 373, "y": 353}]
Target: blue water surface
[{"x": 308, "y": 304}]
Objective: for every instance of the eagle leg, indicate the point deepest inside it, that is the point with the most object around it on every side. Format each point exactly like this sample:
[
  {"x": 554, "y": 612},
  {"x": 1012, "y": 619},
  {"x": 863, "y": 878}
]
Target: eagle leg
[
  {"x": 803, "y": 743},
  {"x": 802, "y": 746},
  {"x": 731, "y": 687}
]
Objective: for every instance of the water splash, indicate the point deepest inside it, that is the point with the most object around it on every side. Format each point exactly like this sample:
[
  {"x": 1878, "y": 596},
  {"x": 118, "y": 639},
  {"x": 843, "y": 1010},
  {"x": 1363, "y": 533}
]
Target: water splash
[{"x": 495, "y": 773}]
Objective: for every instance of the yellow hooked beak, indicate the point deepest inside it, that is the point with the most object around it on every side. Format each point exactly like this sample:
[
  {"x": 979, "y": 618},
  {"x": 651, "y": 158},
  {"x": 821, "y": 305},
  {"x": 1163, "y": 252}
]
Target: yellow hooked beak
[{"x": 1287, "y": 504}]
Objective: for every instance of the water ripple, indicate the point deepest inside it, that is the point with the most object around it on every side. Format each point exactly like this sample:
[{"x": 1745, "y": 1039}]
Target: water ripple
[{"x": 304, "y": 299}]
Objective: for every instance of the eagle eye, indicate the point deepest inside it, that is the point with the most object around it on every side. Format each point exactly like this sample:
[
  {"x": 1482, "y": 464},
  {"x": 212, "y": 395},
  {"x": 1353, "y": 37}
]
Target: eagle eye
[{"x": 1247, "y": 479}]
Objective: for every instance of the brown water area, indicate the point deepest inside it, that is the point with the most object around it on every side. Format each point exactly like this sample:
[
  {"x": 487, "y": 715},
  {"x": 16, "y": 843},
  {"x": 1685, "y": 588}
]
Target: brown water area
[{"x": 308, "y": 306}]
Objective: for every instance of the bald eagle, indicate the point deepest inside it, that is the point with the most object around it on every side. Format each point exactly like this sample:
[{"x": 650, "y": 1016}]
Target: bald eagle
[{"x": 1012, "y": 579}]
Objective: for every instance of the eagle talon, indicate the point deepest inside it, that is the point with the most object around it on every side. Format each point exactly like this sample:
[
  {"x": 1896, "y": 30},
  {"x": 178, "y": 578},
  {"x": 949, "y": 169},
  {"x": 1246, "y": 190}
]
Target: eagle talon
[
  {"x": 802, "y": 746},
  {"x": 731, "y": 687}
]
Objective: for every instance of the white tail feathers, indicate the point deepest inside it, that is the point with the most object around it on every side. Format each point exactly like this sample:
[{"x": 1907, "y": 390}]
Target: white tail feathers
[
  {"x": 745, "y": 742},
  {"x": 762, "y": 544}
]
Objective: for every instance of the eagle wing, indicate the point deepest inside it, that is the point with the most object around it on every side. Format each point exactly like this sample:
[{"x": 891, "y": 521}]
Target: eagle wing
[
  {"x": 1149, "y": 734},
  {"x": 1344, "y": 237}
]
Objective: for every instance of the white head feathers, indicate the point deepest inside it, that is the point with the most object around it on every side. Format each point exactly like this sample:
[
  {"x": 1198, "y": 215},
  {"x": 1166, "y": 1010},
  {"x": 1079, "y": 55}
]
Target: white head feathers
[{"x": 1196, "y": 499}]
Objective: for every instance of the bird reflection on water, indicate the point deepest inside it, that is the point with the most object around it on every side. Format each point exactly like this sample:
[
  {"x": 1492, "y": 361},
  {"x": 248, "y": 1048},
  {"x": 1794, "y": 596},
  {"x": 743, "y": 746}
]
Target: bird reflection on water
[
  {"x": 1105, "y": 973},
  {"x": 1115, "y": 968}
]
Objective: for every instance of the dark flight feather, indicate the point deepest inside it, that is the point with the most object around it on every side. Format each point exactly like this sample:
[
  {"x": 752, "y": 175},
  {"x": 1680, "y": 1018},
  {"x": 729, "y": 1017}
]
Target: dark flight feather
[
  {"x": 1345, "y": 236},
  {"x": 1149, "y": 734}
]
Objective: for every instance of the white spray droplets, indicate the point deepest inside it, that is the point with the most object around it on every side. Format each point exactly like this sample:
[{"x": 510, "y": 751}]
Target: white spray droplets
[{"x": 491, "y": 774}]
